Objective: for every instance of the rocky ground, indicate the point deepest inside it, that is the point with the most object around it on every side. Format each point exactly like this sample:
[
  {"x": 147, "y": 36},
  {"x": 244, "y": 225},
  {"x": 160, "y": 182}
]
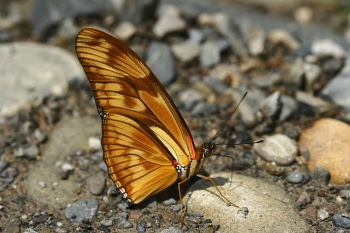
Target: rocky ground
[{"x": 207, "y": 54}]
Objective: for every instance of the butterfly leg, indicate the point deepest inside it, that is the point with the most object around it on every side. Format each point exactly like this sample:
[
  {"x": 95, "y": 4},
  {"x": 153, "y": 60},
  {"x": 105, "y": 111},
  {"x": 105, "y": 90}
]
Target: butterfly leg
[
  {"x": 180, "y": 190},
  {"x": 207, "y": 178}
]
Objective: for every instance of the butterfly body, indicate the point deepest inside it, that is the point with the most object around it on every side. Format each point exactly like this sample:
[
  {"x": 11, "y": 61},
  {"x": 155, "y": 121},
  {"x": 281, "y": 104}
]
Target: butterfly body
[{"x": 146, "y": 142}]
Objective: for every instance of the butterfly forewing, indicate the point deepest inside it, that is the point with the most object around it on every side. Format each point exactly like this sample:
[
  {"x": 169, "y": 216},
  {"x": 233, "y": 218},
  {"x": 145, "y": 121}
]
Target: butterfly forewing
[{"x": 144, "y": 135}]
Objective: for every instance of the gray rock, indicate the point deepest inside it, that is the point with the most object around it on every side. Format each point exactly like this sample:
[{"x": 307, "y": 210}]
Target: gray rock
[
  {"x": 216, "y": 85},
  {"x": 277, "y": 148},
  {"x": 168, "y": 23},
  {"x": 9, "y": 174},
  {"x": 321, "y": 175},
  {"x": 3, "y": 165},
  {"x": 267, "y": 81},
  {"x": 283, "y": 37},
  {"x": 204, "y": 108},
  {"x": 107, "y": 222},
  {"x": 32, "y": 152},
  {"x": 103, "y": 167},
  {"x": 122, "y": 223},
  {"x": 332, "y": 65},
  {"x": 34, "y": 71},
  {"x": 170, "y": 201},
  {"x": 141, "y": 226},
  {"x": 96, "y": 184},
  {"x": 196, "y": 35},
  {"x": 312, "y": 75},
  {"x": 341, "y": 221},
  {"x": 223, "y": 45},
  {"x": 296, "y": 75},
  {"x": 186, "y": 51},
  {"x": 210, "y": 55},
  {"x": 39, "y": 135},
  {"x": 30, "y": 230},
  {"x": 295, "y": 177},
  {"x": 327, "y": 47},
  {"x": 189, "y": 98},
  {"x": 82, "y": 211},
  {"x": 161, "y": 62},
  {"x": 177, "y": 208},
  {"x": 289, "y": 107},
  {"x": 124, "y": 30},
  {"x": 169, "y": 9},
  {"x": 271, "y": 106},
  {"x": 322, "y": 214},
  {"x": 338, "y": 89},
  {"x": 256, "y": 40},
  {"x": 318, "y": 104}
]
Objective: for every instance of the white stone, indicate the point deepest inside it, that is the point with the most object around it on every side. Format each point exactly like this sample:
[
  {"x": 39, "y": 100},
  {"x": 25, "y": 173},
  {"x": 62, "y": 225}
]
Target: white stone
[{"x": 269, "y": 207}]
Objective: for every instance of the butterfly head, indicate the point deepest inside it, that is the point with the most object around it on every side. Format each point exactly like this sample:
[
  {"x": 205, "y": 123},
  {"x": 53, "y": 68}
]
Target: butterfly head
[
  {"x": 202, "y": 153},
  {"x": 208, "y": 149}
]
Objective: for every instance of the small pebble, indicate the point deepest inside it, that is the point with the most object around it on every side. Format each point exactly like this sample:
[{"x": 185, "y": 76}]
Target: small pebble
[
  {"x": 104, "y": 229},
  {"x": 125, "y": 30},
  {"x": 204, "y": 108},
  {"x": 42, "y": 184},
  {"x": 322, "y": 215},
  {"x": 186, "y": 51},
  {"x": 168, "y": 23},
  {"x": 95, "y": 143},
  {"x": 122, "y": 223},
  {"x": 141, "y": 226},
  {"x": 67, "y": 167},
  {"x": 210, "y": 54},
  {"x": 40, "y": 135},
  {"x": 341, "y": 221},
  {"x": 107, "y": 222},
  {"x": 327, "y": 47},
  {"x": 32, "y": 152},
  {"x": 295, "y": 177},
  {"x": 177, "y": 208},
  {"x": 3, "y": 165},
  {"x": 321, "y": 175},
  {"x": 30, "y": 230},
  {"x": 277, "y": 148},
  {"x": 96, "y": 184},
  {"x": 189, "y": 98},
  {"x": 161, "y": 61},
  {"x": 170, "y": 201},
  {"x": 82, "y": 210},
  {"x": 103, "y": 167},
  {"x": 281, "y": 36}
]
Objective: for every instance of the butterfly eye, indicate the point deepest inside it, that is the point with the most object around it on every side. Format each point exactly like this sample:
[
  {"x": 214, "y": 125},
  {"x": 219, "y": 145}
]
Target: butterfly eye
[{"x": 208, "y": 150}]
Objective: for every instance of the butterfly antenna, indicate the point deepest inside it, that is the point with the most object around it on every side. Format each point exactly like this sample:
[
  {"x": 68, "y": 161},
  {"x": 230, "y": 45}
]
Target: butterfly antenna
[
  {"x": 228, "y": 118},
  {"x": 240, "y": 143}
]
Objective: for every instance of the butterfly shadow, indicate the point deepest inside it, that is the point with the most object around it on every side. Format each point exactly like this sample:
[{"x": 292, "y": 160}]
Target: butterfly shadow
[{"x": 219, "y": 181}]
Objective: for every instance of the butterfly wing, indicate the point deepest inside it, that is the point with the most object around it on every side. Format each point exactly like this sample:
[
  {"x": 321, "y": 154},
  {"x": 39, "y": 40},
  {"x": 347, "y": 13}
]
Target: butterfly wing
[{"x": 144, "y": 135}]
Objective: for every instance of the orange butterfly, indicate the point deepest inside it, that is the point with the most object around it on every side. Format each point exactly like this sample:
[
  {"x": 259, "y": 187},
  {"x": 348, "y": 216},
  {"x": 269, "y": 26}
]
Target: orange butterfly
[{"x": 146, "y": 142}]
